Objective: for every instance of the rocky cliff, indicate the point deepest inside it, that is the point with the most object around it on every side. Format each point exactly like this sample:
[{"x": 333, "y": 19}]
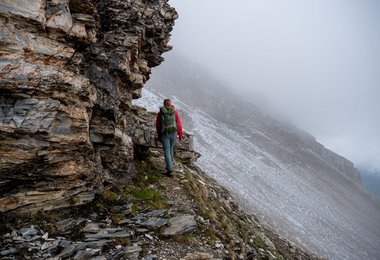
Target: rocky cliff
[{"x": 69, "y": 70}]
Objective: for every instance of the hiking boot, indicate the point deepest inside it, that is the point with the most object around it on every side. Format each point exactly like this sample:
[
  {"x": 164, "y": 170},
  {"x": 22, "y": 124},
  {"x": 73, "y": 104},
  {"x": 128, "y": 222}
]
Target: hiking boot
[{"x": 169, "y": 173}]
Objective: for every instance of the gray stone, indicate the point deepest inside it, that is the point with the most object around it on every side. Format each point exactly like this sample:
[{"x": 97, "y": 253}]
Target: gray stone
[
  {"x": 64, "y": 243},
  {"x": 91, "y": 228},
  {"x": 84, "y": 18},
  {"x": 67, "y": 251},
  {"x": 28, "y": 231},
  {"x": 142, "y": 230},
  {"x": 125, "y": 221},
  {"x": 45, "y": 245},
  {"x": 138, "y": 219},
  {"x": 198, "y": 256},
  {"x": 133, "y": 249},
  {"x": 101, "y": 257},
  {"x": 149, "y": 236},
  {"x": 150, "y": 257},
  {"x": 83, "y": 254},
  {"x": 98, "y": 244},
  {"x": 29, "y": 9},
  {"x": 67, "y": 224},
  {"x": 154, "y": 223},
  {"x": 129, "y": 252},
  {"x": 8, "y": 251},
  {"x": 79, "y": 30},
  {"x": 108, "y": 233},
  {"x": 61, "y": 19},
  {"x": 156, "y": 213},
  {"x": 45, "y": 236},
  {"x": 124, "y": 209},
  {"x": 180, "y": 225}
]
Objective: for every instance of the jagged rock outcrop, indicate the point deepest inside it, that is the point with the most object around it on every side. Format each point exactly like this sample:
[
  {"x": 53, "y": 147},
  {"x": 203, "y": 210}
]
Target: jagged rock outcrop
[{"x": 69, "y": 70}]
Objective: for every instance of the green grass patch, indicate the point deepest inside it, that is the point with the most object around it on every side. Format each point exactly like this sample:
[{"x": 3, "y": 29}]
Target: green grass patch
[
  {"x": 147, "y": 173},
  {"x": 151, "y": 198},
  {"x": 211, "y": 234},
  {"x": 116, "y": 218},
  {"x": 145, "y": 194},
  {"x": 108, "y": 195},
  {"x": 134, "y": 208}
]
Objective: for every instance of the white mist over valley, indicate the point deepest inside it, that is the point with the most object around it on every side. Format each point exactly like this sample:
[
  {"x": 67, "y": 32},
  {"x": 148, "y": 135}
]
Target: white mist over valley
[{"x": 281, "y": 174}]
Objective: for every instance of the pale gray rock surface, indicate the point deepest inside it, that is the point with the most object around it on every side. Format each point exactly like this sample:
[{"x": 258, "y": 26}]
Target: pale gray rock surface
[{"x": 180, "y": 225}]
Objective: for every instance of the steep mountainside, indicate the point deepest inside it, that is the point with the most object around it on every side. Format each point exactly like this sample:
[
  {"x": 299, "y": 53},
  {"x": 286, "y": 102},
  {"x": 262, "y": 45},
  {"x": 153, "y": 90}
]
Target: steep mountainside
[
  {"x": 308, "y": 193},
  {"x": 69, "y": 70},
  {"x": 198, "y": 88},
  {"x": 151, "y": 216}
]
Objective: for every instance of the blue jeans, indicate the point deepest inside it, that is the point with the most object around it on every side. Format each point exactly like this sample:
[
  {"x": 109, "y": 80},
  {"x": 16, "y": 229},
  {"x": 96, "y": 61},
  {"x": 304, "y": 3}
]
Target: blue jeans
[{"x": 168, "y": 141}]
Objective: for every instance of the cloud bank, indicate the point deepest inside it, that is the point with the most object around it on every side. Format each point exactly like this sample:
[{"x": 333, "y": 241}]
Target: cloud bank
[{"x": 317, "y": 61}]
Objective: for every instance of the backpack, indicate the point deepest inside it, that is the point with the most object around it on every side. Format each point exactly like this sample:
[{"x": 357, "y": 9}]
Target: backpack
[{"x": 168, "y": 121}]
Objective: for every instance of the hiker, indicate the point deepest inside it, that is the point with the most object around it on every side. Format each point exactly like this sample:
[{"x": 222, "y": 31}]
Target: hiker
[{"x": 168, "y": 126}]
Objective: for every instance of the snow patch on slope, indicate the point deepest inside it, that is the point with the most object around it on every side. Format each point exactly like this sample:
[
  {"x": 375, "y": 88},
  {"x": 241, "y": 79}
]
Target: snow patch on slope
[{"x": 294, "y": 200}]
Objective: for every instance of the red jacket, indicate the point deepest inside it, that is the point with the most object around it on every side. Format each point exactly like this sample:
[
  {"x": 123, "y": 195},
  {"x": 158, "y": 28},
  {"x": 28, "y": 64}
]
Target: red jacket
[{"x": 159, "y": 125}]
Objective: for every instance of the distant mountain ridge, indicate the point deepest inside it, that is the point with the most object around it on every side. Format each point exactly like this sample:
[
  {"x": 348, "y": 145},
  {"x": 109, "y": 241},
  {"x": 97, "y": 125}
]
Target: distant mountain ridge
[
  {"x": 195, "y": 86},
  {"x": 306, "y": 192}
]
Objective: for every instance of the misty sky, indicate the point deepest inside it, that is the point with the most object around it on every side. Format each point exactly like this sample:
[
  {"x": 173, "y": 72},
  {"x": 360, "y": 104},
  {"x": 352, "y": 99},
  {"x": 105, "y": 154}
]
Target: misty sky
[{"x": 316, "y": 60}]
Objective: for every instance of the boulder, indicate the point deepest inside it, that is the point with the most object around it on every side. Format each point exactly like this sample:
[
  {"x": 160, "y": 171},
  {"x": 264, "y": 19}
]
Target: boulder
[{"x": 180, "y": 225}]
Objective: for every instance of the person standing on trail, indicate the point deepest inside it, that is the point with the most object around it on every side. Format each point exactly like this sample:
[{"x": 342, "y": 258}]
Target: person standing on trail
[{"x": 168, "y": 126}]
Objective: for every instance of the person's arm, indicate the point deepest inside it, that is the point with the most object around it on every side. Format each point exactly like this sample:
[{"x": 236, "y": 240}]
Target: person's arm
[
  {"x": 158, "y": 125},
  {"x": 179, "y": 125}
]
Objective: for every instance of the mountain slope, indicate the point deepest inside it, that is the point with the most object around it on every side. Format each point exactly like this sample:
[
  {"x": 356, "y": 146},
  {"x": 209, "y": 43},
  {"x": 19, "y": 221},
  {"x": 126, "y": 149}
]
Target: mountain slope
[
  {"x": 152, "y": 216},
  {"x": 306, "y": 192}
]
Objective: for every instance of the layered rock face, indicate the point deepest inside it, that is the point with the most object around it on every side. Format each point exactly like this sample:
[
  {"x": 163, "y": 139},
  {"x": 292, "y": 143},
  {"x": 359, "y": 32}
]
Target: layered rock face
[{"x": 69, "y": 70}]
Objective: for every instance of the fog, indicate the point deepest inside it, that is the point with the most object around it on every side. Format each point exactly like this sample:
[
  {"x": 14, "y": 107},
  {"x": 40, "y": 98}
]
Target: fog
[{"x": 316, "y": 61}]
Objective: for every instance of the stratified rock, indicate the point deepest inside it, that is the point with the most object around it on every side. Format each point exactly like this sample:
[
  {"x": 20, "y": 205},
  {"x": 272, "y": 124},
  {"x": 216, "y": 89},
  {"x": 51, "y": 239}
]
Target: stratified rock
[
  {"x": 8, "y": 251},
  {"x": 154, "y": 223},
  {"x": 69, "y": 70},
  {"x": 108, "y": 233},
  {"x": 198, "y": 256},
  {"x": 150, "y": 257},
  {"x": 156, "y": 213},
  {"x": 91, "y": 228},
  {"x": 180, "y": 225},
  {"x": 129, "y": 252},
  {"x": 68, "y": 224},
  {"x": 25, "y": 10},
  {"x": 25, "y": 232},
  {"x": 67, "y": 251}
]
